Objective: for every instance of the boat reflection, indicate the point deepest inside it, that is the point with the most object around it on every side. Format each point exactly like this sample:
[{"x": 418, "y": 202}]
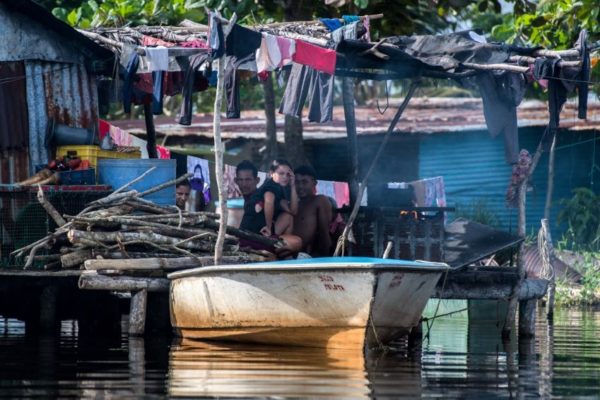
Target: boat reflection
[{"x": 235, "y": 370}]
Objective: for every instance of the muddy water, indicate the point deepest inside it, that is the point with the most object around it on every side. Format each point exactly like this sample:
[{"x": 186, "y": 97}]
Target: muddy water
[{"x": 456, "y": 360}]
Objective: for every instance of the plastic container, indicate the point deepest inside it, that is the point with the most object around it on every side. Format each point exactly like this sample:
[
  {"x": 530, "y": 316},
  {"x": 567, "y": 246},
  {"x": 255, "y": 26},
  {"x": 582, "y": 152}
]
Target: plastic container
[
  {"x": 116, "y": 173},
  {"x": 94, "y": 153},
  {"x": 78, "y": 177},
  {"x": 235, "y": 211}
]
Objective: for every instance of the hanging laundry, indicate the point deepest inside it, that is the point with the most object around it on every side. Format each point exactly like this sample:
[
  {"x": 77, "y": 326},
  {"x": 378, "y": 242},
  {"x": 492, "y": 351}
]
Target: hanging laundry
[
  {"x": 232, "y": 85},
  {"x": 501, "y": 94},
  {"x": 287, "y": 48},
  {"x": 241, "y": 42},
  {"x": 314, "y": 56},
  {"x": 331, "y": 23},
  {"x": 152, "y": 41},
  {"x": 158, "y": 58},
  {"x": 304, "y": 82},
  {"x": 348, "y": 32},
  {"x": 163, "y": 152},
  {"x": 195, "y": 44},
  {"x": 129, "y": 79},
  {"x": 241, "y": 45},
  {"x": 268, "y": 55},
  {"x": 367, "y": 24},
  {"x": 191, "y": 66},
  {"x": 215, "y": 36}
]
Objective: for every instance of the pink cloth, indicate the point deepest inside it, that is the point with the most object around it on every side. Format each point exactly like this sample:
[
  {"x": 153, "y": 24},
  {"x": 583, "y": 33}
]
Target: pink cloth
[
  {"x": 287, "y": 48},
  {"x": 151, "y": 41},
  {"x": 196, "y": 44},
  {"x": 314, "y": 56},
  {"x": 120, "y": 137},
  {"x": 342, "y": 193},
  {"x": 103, "y": 128},
  {"x": 163, "y": 152}
]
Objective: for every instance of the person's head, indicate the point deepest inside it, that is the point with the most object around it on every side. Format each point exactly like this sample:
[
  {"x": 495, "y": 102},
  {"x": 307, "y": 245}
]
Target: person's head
[
  {"x": 306, "y": 181},
  {"x": 182, "y": 193},
  {"x": 246, "y": 177},
  {"x": 281, "y": 171}
]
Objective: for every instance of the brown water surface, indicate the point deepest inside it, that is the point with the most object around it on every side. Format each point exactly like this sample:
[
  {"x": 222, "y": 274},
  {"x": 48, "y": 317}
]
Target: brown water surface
[{"x": 457, "y": 360}]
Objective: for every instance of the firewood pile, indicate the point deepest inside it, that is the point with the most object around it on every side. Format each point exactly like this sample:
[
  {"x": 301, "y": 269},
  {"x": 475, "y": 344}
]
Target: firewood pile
[{"x": 124, "y": 231}]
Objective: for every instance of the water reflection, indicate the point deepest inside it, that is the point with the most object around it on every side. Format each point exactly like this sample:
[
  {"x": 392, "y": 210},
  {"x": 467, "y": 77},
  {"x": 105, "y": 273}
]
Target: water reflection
[
  {"x": 458, "y": 359},
  {"x": 207, "y": 369}
]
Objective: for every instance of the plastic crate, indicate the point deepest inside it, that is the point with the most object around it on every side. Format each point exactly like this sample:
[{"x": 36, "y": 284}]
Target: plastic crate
[{"x": 93, "y": 153}]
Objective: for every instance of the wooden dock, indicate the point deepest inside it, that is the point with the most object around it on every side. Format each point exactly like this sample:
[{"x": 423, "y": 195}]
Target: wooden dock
[{"x": 98, "y": 300}]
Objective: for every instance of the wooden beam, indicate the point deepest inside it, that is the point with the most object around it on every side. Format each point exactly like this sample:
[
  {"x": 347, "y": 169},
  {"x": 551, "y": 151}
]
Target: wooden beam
[
  {"x": 488, "y": 285},
  {"x": 157, "y": 263},
  {"x": 93, "y": 281}
]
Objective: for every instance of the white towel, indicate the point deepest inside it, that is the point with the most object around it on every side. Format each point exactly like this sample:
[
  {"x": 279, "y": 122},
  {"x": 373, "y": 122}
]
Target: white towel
[{"x": 158, "y": 58}]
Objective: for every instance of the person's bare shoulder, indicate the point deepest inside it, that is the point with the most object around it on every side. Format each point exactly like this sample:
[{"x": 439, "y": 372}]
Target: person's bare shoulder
[{"x": 323, "y": 201}]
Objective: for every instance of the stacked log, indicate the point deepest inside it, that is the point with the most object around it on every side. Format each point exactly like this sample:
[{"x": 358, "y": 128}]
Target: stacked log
[{"x": 124, "y": 232}]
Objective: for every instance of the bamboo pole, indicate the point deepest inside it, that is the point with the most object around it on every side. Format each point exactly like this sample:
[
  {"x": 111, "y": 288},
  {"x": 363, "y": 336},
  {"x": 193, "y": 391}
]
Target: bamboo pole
[
  {"x": 514, "y": 298},
  {"x": 219, "y": 158}
]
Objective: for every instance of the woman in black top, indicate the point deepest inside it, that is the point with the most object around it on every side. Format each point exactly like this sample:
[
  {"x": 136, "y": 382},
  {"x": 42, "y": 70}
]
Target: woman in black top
[{"x": 270, "y": 210}]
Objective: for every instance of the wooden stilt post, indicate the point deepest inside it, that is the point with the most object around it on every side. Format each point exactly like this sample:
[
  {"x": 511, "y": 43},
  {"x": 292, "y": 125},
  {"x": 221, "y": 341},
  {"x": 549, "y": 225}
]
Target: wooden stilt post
[
  {"x": 349, "y": 116},
  {"x": 550, "y": 189},
  {"x": 137, "y": 312},
  {"x": 150, "y": 131},
  {"x": 547, "y": 257},
  {"x": 514, "y": 297},
  {"x": 527, "y": 310},
  {"x": 48, "y": 316}
]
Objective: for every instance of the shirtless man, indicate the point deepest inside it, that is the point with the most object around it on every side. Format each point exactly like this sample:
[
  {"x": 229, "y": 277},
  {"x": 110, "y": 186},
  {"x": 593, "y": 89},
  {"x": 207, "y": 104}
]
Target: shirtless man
[{"x": 311, "y": 222}]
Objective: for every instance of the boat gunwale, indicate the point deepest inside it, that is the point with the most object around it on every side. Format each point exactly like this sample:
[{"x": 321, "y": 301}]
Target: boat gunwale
[{"x": 427, "y": 267}]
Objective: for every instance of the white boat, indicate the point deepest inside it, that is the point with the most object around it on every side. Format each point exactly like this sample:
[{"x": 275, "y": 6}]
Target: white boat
[{"x": 336, "y": 302}]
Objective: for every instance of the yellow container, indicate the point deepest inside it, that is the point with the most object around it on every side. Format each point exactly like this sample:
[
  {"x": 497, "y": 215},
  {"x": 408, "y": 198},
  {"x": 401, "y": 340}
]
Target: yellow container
[{"x": 93, "y": 153}]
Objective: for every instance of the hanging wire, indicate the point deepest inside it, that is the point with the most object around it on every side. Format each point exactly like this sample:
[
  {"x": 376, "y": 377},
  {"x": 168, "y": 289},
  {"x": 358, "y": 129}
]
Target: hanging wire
[{"x": 387, "y": 100}]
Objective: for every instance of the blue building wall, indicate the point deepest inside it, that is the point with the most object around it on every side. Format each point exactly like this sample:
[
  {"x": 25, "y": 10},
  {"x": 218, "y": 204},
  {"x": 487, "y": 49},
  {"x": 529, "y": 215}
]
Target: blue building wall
[{"x": 474, "y": 170}]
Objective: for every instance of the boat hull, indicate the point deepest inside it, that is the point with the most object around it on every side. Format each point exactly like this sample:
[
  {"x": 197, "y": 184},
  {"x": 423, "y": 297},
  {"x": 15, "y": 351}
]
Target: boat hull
[{"x": 337, "y": 306}]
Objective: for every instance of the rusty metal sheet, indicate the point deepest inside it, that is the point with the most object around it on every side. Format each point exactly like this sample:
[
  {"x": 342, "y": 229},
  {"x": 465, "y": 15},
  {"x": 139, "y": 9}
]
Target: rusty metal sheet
[
  {"x": 14, "y": 166},
  {"x": 13, "y": 107},
  {"x": 62, "y": 91},
  {"x": 423, "y": 116}
]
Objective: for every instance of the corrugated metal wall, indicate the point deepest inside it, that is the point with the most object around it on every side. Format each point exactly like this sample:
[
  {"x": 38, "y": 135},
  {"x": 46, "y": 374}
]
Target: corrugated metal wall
[
  {"x": 398, "y": 162},
  {"x": 474, "y": 170},
  {"x": 63, "y": 91}
]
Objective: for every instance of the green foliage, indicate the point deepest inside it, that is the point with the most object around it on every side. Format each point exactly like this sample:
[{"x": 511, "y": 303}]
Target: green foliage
[
  {"x": 581, "y": 213},
  {"x": 588, "y": 293},
  {"x": 478, "y": 211},
  {"x": 550, "y": 23},
  {"x": 94, "y": 13}
]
